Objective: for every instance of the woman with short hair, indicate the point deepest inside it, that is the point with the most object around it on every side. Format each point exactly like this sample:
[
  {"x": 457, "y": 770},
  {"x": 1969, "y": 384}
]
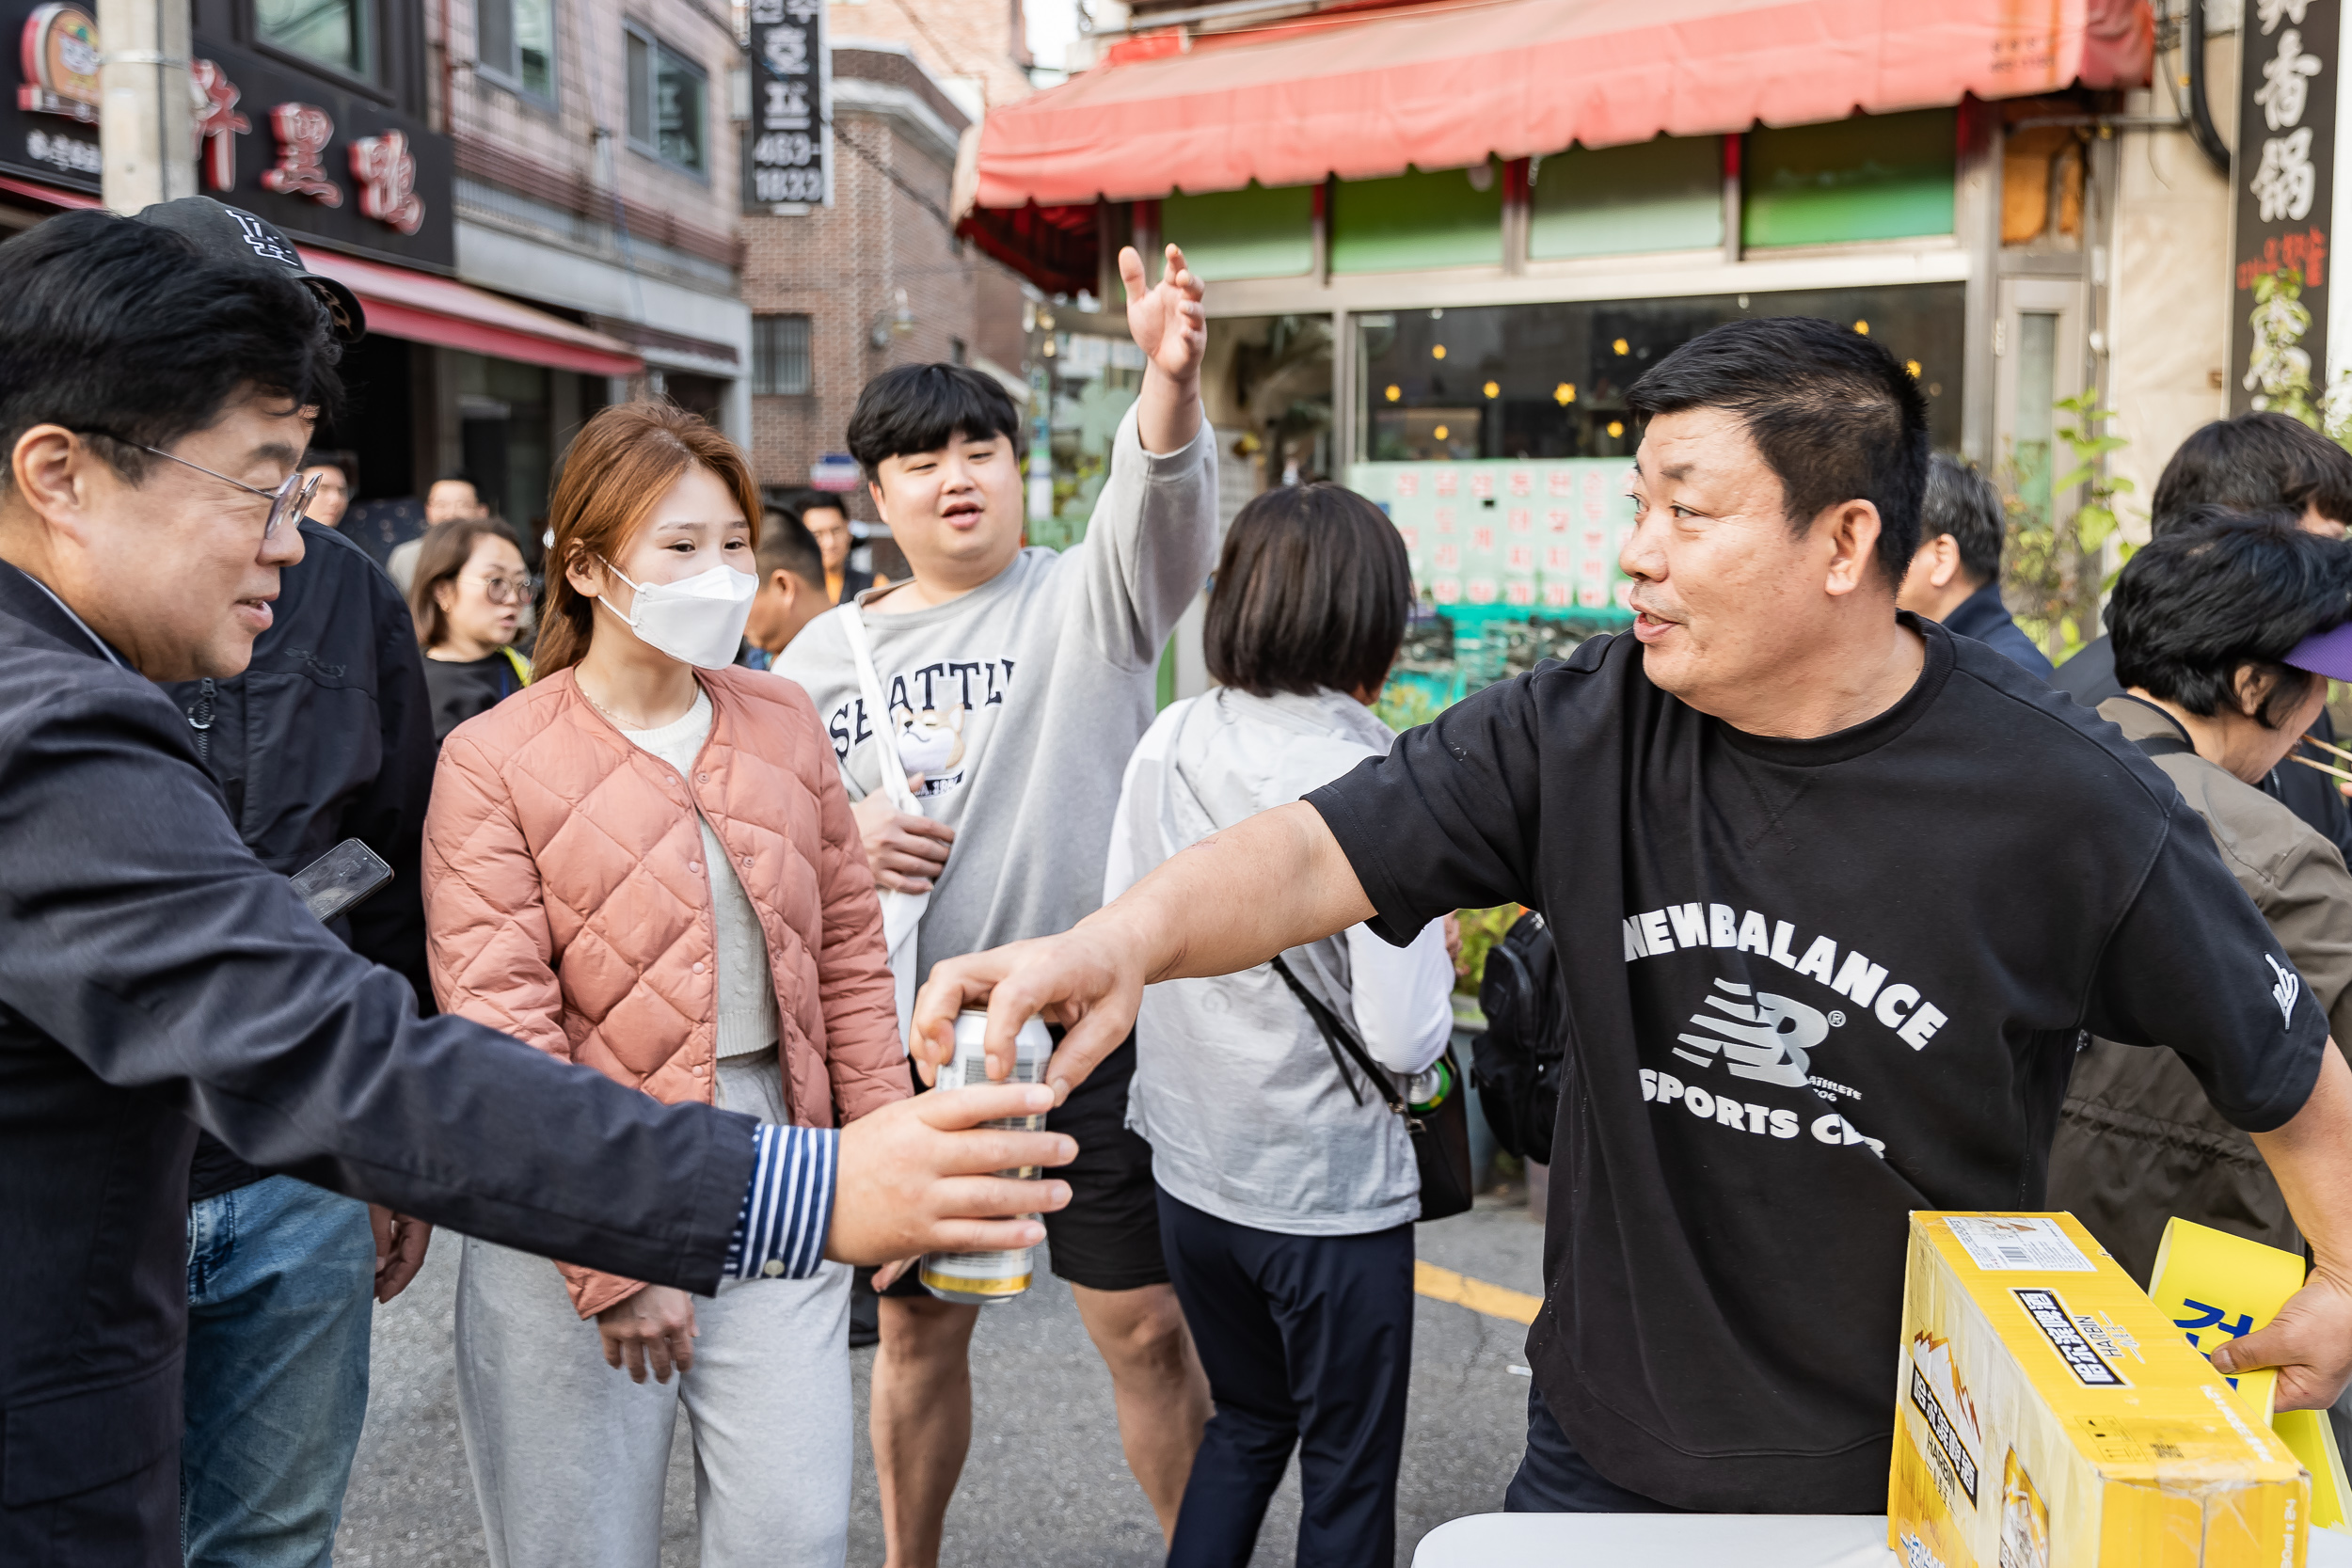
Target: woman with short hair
[
  {"x": 468, "y": 598},
  {"x": 1287, "y": 1187},
  {"x": 2226, "y": 630}
]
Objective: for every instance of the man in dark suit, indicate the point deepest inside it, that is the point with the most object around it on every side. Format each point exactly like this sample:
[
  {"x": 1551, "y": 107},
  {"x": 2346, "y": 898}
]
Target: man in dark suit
[
  {"x": 1955, "y": 574},
  {"x": 327, "y": 736},
  {"x": 156, "y": 392}
]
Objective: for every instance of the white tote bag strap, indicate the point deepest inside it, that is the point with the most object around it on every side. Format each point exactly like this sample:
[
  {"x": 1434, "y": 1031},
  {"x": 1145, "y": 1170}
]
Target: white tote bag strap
[{"x": 902, "y": 912}]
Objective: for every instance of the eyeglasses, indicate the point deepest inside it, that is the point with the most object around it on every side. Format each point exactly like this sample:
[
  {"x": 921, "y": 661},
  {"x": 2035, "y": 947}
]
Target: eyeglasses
[
  {"x": 287, "y": 501},
  {"x": 505, "y": 590}
]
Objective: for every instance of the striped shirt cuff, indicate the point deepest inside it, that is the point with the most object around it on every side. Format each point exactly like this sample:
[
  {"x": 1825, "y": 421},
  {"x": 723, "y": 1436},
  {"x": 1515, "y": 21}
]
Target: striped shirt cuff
[{"x": 787, "y": 1208}]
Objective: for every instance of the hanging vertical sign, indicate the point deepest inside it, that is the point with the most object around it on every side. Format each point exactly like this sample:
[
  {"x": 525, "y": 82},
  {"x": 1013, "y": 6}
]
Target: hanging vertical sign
[
  {"x": 2284, "y": 205},
  {"x": 790, "y": 162}
]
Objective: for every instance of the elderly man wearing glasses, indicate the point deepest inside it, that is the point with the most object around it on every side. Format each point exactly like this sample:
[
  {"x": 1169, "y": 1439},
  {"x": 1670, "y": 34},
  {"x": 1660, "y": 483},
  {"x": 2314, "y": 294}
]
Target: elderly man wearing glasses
[{"x": 159, "y": 974}]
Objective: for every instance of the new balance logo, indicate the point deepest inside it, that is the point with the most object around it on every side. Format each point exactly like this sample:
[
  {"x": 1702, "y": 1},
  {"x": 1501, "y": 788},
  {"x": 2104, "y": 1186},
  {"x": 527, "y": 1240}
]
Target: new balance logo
[
  {"x": 1763, "y": 1036},
  {"x": 2289, "y": 986}
]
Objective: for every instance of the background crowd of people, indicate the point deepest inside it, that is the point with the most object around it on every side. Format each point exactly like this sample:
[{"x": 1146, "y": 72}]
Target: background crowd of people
[{"x": 746, "y": 829}]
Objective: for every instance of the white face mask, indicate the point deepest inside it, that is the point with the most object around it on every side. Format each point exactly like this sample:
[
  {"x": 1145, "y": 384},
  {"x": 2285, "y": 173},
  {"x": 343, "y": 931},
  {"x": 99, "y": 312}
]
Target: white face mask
[{"x": 698, "y": 620}]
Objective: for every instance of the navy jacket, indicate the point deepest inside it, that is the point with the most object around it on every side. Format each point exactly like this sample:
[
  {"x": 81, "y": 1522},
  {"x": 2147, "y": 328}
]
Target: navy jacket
[
  {"x": 2089, "y": 678},
  {"x": 155, "y": 976},
  {"x": 328, "y": 736},
  {"x": 1984, "y": 617}
]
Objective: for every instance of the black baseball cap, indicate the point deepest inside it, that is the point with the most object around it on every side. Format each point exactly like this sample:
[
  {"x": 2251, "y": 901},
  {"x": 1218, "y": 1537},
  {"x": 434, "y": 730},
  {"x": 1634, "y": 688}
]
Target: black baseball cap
[{"x": 233, "y": 235}]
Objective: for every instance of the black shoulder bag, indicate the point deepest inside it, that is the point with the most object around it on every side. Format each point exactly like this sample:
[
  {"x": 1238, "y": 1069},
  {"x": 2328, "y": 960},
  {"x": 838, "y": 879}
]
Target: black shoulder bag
[{"x": 1440, "y": 1134}]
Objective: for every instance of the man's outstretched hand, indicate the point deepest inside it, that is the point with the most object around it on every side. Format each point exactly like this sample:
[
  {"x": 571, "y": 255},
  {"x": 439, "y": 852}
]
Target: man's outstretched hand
[
  {"x": 1171, "y": 326},
  {"x": 2309, "y": 1342},
  {"x": 1086, "y": 978},
  {"x": 918, "y": 1176}
]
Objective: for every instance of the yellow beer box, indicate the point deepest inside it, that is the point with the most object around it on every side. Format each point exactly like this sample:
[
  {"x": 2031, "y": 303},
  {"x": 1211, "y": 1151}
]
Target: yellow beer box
[{"x": 2047, "y": 1416}]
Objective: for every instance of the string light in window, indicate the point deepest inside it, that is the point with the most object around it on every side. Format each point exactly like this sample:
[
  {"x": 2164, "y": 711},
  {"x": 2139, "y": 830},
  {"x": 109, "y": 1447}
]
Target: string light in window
[{"x": 1565, "y": 394}]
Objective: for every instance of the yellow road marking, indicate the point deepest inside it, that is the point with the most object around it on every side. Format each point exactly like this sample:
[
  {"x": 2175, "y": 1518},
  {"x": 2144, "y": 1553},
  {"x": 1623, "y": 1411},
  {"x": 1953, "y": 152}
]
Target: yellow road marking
[{"x": 1493, "y": 1300}]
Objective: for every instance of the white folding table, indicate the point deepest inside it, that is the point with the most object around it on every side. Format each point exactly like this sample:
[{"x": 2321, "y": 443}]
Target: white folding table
[{"x": 1695, "y": 1541}]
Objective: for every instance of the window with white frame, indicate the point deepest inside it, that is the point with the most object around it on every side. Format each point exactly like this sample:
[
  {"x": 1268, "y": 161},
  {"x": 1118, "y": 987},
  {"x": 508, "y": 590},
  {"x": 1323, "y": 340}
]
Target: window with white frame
[
  {"x": 516, "y": 42},
  {"x": 669, "y": 104},
  {"x": 780, "y": 354}
]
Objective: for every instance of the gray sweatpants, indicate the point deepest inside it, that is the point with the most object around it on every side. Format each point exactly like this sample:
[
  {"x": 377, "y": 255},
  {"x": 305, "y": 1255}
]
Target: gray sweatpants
[{"x": 569, "y": 1456}]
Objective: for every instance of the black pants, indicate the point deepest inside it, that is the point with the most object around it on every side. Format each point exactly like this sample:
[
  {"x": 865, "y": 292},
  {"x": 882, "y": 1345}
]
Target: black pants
[
  {"x": 1308, "y": 1341},
  {"x": 1555, "y": 1479}
]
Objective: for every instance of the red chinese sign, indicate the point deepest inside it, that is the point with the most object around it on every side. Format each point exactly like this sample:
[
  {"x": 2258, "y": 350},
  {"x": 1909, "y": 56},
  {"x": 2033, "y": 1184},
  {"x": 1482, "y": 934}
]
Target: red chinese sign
[
  {"x": 387, "y": 172},
  {"x": 217, "y": 123},
  {"x": 303, "y": 131}
]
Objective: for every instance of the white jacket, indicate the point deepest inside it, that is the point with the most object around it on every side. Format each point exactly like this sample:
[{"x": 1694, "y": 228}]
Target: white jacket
[{"x": 1248, "y": 1117}]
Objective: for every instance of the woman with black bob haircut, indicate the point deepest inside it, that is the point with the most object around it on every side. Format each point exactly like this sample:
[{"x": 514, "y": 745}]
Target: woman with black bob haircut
[
  {"x": 1287, "y": 1188},
  {"x": 2226, "y": 630}
]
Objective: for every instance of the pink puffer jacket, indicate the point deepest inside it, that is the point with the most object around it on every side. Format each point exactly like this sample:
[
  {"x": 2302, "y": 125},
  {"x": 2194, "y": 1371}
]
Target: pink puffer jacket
[{"x": 567, "y": 905}]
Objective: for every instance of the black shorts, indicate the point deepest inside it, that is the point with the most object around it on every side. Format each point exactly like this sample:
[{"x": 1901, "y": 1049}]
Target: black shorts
[{"x": 1108, "y": 1238}]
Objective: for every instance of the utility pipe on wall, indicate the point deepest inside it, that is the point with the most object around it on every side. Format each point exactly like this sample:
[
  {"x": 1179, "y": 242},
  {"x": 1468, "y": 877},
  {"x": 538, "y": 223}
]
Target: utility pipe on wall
[{"x": 146, "y": 131}]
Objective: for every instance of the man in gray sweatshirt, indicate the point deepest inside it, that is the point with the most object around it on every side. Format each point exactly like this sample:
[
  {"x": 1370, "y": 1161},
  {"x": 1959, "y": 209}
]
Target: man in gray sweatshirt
[{"x": 1012, "y": 685}]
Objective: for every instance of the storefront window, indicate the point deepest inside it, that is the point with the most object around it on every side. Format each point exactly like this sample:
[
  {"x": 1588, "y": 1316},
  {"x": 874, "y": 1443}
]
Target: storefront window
[
  {"x": 332, "y": 32},
  {"x": 1549, "y": 380},
  {"x": 1268, "y": 391},
  {"x": 2037, "y": 394},
  {"x": 668, "y": 102},
  {"x": 1497, "y": 438},
  {"x": 503, "y": 424}
]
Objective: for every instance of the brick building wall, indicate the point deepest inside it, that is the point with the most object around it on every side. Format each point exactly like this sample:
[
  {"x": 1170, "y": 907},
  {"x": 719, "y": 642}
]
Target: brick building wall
[
  {"x": 976, "y": 49},
  {"x": 844, "y": 267},
  {"x": 550, "y": 150}
]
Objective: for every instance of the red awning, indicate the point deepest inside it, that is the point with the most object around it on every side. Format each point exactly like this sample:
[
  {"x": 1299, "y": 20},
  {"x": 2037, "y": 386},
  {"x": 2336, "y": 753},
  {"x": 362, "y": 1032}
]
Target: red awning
[
  {"x": 429, "y": 309},
  {"x": 1364, "y": 94}
]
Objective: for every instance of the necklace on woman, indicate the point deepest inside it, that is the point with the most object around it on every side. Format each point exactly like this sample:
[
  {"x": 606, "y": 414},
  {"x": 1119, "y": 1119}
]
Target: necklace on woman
[{"x": 610, "y": 715}]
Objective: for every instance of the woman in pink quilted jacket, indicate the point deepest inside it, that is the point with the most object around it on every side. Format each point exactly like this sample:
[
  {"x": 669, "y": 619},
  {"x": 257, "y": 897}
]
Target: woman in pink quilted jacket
[{"x": 645, "y": 863}]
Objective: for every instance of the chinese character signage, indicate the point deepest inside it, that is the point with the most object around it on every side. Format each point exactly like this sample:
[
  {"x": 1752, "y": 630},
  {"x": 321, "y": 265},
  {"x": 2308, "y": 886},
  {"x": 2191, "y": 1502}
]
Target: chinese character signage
[
  {"x": 2285, "y": 173},
  {"x": 1527, "y": 539},
  {"x": 295, "y": 148},
  {"x": 790, "y": 158}
]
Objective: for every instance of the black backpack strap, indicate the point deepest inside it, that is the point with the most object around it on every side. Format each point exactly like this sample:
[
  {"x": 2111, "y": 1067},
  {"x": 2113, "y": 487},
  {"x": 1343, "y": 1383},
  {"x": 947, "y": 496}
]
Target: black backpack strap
[
  {"x": 1337, "y": 1037},
  {"x": 2165, "y": 746}
]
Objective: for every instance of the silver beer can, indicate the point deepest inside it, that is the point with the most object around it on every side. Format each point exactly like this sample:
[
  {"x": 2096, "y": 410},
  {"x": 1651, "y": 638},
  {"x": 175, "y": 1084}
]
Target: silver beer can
[{"x": 986, "y": 1276}]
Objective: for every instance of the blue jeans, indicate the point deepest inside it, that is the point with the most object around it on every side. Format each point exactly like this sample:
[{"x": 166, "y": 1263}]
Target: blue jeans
[{"x": 281, "y": 1291}]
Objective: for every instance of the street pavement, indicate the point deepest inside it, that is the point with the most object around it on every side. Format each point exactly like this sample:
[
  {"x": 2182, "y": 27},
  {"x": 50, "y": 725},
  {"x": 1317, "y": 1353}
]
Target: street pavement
[{"x": 1046, "y": 1486}]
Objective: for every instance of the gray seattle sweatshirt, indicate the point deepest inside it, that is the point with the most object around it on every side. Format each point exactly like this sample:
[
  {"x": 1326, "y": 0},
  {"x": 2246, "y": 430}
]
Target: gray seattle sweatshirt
[{"x": 1020, "y": 701}]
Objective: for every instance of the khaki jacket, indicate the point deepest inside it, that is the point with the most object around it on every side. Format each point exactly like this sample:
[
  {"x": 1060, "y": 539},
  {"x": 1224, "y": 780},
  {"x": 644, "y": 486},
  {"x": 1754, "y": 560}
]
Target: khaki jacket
[
  {"x": 566, "y": 903},
  {"x": 2136, "y": 1141}
]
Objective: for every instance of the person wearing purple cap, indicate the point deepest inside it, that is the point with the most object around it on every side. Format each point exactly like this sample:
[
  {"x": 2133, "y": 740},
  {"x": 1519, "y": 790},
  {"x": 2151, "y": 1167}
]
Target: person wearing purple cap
[{"x": 2226, "y": 631}]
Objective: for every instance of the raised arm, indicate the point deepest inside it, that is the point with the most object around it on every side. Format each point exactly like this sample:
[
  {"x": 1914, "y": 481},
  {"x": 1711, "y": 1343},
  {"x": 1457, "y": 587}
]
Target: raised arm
[
  {"x": 1171, "y": 326},
  {"x": 1152, "y": 538},
  {"x": 2309, "y": 1342},
  {"x": 1234, "y": 900}
]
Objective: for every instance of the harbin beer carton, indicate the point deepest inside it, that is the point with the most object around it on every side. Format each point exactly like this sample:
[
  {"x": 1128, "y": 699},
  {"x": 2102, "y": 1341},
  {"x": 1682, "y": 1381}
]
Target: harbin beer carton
[{"x": 2047, "y": 1416}]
